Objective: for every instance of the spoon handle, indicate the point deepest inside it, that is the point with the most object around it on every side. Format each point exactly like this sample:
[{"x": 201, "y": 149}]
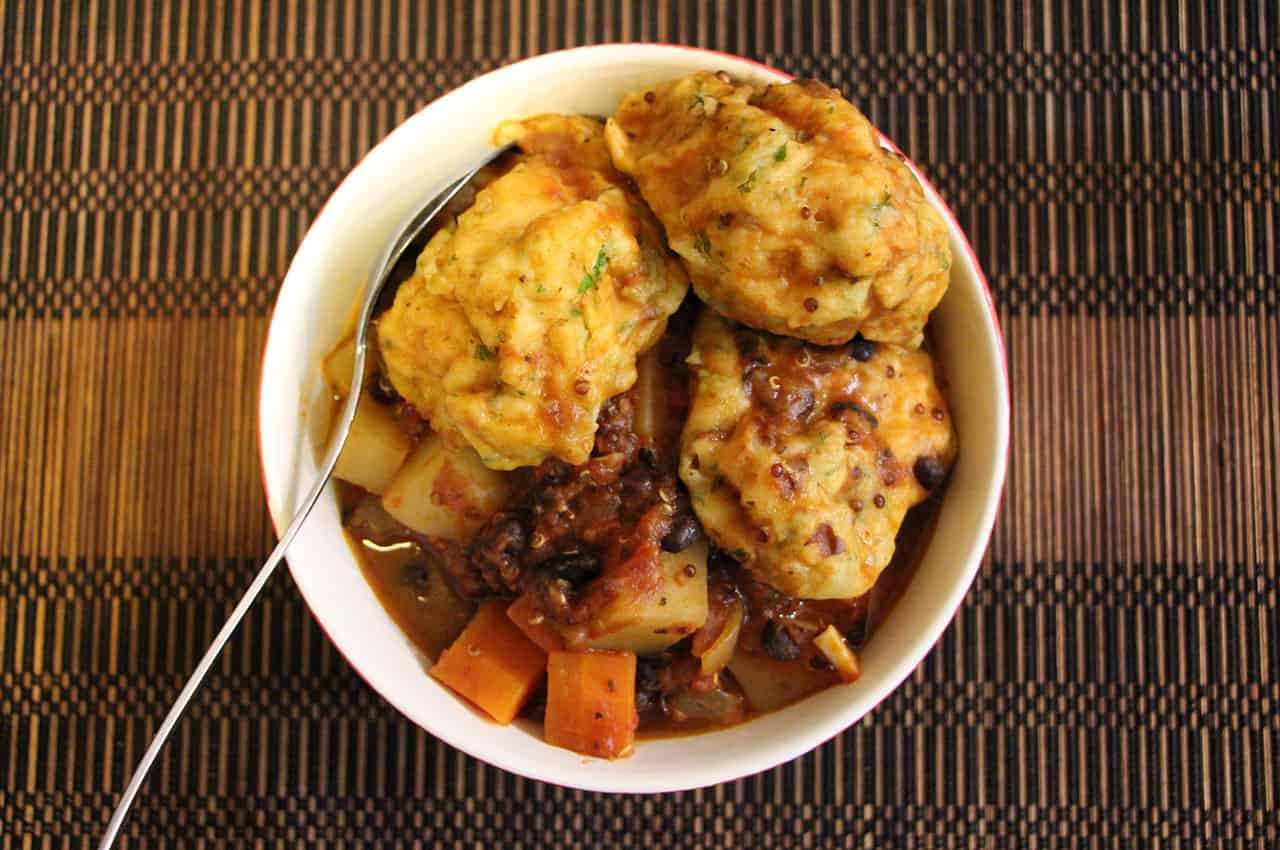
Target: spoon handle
[
  {"x": 395, "y": 248},
  {"x": 228, "y": 628}
]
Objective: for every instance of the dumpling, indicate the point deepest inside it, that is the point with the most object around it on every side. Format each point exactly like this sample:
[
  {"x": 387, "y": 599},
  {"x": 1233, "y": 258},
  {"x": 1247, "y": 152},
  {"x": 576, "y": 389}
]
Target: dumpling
[
  {"x": 527, "y": 312},
  {"x": 802, "y": 461},
  {"x": 784, "y": 207}
]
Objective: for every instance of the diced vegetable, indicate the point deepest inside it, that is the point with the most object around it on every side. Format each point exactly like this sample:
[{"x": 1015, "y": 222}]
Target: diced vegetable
[
  {"x": 444, "y": 491},
  {"x": 653, "y": 618},
  {"x": 714, "y": 707},
  {"x": 717, "y": 654},
  {"x": 833, "y": 645},
  {"x": 340, "y": 367},
  {"x": 591, "y": 702},
  {"x": 439, "y": 614},
  {"x": 770, "y": 684},
  {"x": 375, "y": 448},
  {"x": 531, "y": 621},
  {"x": 368, "y": 520},
  {"x": 651, "y": 397},
  {"x": 492, "y": 663}
]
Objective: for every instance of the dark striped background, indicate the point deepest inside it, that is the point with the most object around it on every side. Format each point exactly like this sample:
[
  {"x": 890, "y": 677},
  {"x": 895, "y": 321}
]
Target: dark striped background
[{"x": 1112, "y": 677}]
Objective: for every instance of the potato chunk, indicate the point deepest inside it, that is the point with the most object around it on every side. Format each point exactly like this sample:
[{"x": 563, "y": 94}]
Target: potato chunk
[
  {"x": 375, "y": 448},
  {"x": 655, "y": 616},
  {"x": 443, "y": 491},
  {"x": 770, "y": 684}
]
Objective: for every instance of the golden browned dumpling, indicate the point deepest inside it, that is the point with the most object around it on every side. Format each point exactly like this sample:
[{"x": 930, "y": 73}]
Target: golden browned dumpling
[
  {"x": 787, "y": 212},
  {"x": 527, "y": 312},
  {"x": 802, "y": 460}
]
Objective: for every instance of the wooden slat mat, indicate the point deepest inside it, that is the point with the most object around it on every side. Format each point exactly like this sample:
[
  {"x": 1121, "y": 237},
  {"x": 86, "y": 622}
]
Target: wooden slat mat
[{"x": 1112, "y": 677}]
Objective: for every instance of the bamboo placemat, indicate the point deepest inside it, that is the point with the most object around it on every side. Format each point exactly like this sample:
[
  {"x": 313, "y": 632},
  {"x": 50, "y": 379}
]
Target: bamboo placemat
[{"x": 1112, "y": 677}]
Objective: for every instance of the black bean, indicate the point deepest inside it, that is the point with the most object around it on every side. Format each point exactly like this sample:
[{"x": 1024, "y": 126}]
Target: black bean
[
  {"x": 778, "y": 642},
  {"x": 930, "y": 472},
  {"x": 648, "y": 685},
  {"x": 555, "y": 471},
  {"x": 638, "y": 482},
  {"x": 647, "y": 701},
  {"x": 862, "y": 349},
  {"x": 719, "y": 561},
  {"x": 381, "y": 390},
  {"x": 575, "y": 568},
  {"x": 683, "y": 534},
  {"x": 649, "y": 458},
  {"x": 859, "y": 632},
  {"x": 414, "y": 574},
  {"x": 647, "y": 674}
]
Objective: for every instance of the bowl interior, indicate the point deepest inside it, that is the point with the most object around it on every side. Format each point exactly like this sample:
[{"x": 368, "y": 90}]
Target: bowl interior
[{"x": 326, "y": 277}]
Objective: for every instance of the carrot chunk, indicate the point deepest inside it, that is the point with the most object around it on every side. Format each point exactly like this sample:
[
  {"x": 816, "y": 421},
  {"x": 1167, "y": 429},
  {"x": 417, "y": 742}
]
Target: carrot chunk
[
  {"x": 591, "y": 702},
  {"x": 524, "y": 615},
  {"x": 492, "y": 663}
]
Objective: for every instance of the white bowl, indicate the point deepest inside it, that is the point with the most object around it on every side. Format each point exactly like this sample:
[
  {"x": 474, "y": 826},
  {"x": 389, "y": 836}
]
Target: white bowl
[{"x": 324, "y": 280}]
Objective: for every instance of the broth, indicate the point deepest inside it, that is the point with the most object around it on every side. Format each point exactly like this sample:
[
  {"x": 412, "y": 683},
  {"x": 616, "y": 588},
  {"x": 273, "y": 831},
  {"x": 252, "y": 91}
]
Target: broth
[{"x": 415, "y": 590}]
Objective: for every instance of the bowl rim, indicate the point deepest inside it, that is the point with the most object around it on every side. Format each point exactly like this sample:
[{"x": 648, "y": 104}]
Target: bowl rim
[{"x": 950, "y": 605}]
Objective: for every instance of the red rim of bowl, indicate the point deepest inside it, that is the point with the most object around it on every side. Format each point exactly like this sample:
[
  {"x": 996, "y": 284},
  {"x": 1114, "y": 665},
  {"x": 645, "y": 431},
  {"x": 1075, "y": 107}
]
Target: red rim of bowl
[{"x": 936, "y": 196}]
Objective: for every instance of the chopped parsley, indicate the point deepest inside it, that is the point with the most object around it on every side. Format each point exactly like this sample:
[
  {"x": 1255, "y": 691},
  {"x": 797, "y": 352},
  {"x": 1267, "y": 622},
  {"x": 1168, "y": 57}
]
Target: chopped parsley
[
  {"x": 750, "y": 183},
  {"x": 591, "y": 278},
  {"x": 483, "y": 353},
  {"x": 702, "y": 243},
  {"x": 878, "y": 207},
  {"x": 697, "y": 101},
  {"x": 747, "y": 185}
]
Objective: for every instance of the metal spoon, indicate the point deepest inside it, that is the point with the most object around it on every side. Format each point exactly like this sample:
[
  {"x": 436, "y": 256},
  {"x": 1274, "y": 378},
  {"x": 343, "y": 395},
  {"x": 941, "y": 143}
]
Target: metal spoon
[{"x": 377, "y": 282}]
